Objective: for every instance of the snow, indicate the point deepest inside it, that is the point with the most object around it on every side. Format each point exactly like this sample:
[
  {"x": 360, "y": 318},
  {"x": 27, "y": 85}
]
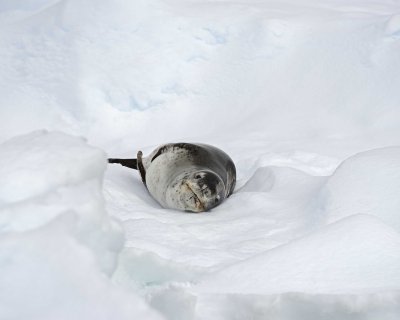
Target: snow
[
  {"x": 353, "y": 255},
  {"x": 48, "y": 274},
  {"x": 376, "y": 173},
  {"x": 302, "y": 94},
  {"x": 58, "y": 246}
]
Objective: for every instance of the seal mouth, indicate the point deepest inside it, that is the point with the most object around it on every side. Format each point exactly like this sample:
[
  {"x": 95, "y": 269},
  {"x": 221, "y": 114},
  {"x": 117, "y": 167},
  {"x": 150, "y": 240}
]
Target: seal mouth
[{"x": 199, "y": 204}]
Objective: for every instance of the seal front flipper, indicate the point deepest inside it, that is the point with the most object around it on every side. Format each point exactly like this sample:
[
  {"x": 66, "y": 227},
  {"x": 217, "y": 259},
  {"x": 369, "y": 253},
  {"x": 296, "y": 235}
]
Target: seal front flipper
[
  {"x": 130, "y": 163},
  {"x": 141, "y": 167}
]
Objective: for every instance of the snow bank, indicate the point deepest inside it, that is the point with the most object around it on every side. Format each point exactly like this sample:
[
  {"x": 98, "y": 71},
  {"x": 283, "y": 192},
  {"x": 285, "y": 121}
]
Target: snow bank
[
  {"x": 38, "y": 163},
  {"x": 299, "y": 306},
  {"x": 45, "y": 175},
  {"x": 358, "y": 254},
  {"x": 369, "y": 183},
  {"x": 348, "y": 268},
  {"x": 57, "y": 243},
  {"x": 273, "y": 207},
  {"x": 275, "y": 70}
]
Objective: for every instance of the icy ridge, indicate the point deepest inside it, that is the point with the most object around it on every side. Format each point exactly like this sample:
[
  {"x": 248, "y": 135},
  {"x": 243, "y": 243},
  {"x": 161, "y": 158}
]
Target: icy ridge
[{"x": 58, "y": 246}]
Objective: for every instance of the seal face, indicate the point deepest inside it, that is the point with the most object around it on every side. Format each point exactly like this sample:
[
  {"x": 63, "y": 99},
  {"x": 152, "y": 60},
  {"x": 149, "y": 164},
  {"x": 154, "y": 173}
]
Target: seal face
[
  {"x": 195, "y": 191},
  {"x": 186, "y": 176}
]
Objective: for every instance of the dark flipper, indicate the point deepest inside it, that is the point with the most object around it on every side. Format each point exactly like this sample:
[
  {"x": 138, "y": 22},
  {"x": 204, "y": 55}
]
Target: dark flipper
[
  {"x": 141, "y": 167},
  {"x": 130, "y": 163}
]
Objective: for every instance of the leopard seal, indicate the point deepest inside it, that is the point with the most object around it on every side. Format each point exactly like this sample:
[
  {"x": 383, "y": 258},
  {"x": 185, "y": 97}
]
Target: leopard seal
[{"x": 185, "y": 176}]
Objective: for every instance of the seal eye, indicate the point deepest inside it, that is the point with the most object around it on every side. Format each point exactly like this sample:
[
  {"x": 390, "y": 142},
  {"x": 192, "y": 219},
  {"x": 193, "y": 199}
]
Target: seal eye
[{"x": 197, "y": 176}]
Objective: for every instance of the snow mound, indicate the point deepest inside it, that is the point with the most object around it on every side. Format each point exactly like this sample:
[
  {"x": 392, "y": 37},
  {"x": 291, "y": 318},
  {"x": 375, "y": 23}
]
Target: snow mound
[
  {"x": 393, "y": 26},
  {"x": 57, "y": 243},
  {"x": 369, "y": 183},
  {"x": 47, "y": 274},
  {"x": 298, "y": 306},
  {"x": 358, "y": 254},
  {"x": 45, "y": 175},
  {"x": 38, "y": 163}
]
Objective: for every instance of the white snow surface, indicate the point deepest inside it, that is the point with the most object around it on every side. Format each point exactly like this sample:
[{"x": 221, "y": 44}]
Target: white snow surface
[{"x": 304, "y": 95}]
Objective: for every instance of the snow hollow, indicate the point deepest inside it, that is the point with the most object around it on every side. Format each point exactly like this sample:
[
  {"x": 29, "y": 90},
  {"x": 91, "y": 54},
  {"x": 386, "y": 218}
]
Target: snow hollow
[{"x": 304, "y": 96}]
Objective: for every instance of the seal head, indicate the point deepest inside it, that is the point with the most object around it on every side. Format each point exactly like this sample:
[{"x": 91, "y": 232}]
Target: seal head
[{"x": 196, "y": 191}]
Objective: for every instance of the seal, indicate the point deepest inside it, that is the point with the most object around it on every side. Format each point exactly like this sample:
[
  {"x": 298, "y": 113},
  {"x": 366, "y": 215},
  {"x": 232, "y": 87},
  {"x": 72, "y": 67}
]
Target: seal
[{"x": 185, "y": 176}]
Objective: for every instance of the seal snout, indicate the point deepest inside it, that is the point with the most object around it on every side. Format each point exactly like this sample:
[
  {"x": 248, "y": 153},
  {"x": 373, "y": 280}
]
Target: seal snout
[{"x": 199, "y": 205}]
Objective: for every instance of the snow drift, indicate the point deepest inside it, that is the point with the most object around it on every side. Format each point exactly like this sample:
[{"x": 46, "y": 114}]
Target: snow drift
[
  {"x": 57, "y": 243},
  {"x": 366, "y": 183}
]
